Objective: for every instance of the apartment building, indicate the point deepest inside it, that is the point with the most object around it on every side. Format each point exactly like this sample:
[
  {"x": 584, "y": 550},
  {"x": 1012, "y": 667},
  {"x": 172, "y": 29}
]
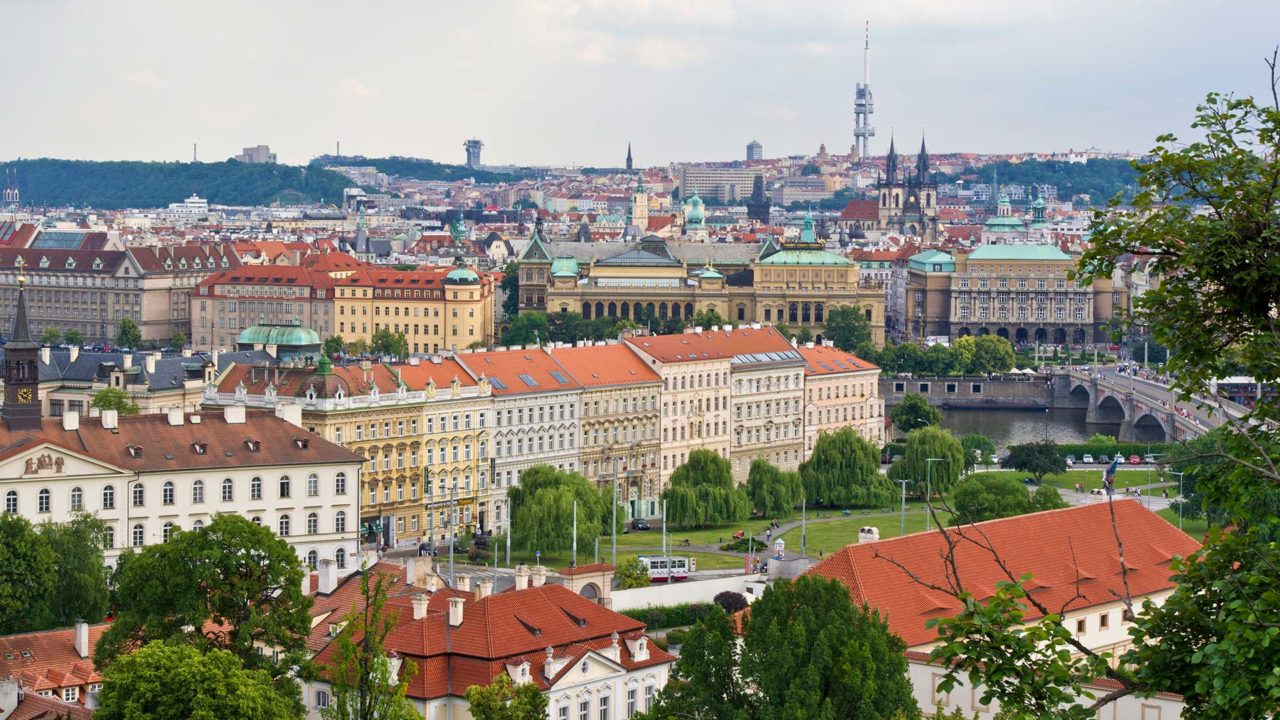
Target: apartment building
[
  {"x": 229, "y": 301},
  {"x": 840, "y": 390},
  {"x": 720, "y": 183},
  {"x": 620, "y": 423},
  {"x": 767, "y": 375},
  {"x": 437, "y": 309}
]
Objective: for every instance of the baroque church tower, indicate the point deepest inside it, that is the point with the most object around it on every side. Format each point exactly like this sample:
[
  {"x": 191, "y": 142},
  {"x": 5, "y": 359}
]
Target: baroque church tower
[{"x": 21, "y": 369}]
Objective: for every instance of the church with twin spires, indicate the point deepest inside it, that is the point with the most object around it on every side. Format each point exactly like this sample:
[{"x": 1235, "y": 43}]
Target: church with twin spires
[{"x": 908, "y": 197}]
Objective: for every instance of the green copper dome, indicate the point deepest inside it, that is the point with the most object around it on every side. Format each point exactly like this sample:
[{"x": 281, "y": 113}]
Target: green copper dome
[
  {"x": 462, "y": 276},
  {"x": 280, "y": 335},
  {"x": 696, "y": 214}
]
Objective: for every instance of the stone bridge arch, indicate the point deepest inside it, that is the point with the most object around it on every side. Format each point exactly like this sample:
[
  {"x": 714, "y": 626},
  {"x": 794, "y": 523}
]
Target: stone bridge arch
[
  {"x": 1109, "y": 409},
  {"x": 1148, "y": 427}
]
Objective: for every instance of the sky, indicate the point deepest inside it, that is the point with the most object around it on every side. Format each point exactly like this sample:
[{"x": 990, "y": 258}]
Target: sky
[{"x": 571, "y": 82}]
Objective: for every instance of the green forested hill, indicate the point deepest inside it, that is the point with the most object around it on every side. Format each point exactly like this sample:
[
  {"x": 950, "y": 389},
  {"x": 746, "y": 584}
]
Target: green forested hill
[
  {"x": 418, "y": 168},
  {"x": 115, "y": 185},
  {"x": 1100, "y": 179}
]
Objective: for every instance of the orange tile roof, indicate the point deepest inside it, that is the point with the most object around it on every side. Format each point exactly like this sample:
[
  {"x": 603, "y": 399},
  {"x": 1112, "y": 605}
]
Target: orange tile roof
[
  {"x": 860, "y": 210},
  {"x": 599, "y": 366},
  {"x": 1077, "y": 538},
  {"x": 823, "y": 360},
  {"x": 47, "y": 660},
  {"x": 352, "y": 379},
  {"x": 507, "y": 367},
  {"x": 711, "y": 344}
]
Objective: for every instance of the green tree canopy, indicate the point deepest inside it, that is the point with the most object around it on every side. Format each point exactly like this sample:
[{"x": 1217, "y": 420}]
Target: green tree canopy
[
  {"x": 511, "y": 286},
  {"x": 28, "y": 575},
  {"x": 179, "y": 339},
  {"x": 528, "y": 328},
  {"x": 844, "y": 470},
  {"x": 992, "y": 354},
  {"x": 914, "y": 412},
  {"x": 387, "y": 342},
  {"x": 977, "y": 448},
  {"x": 925, "y": 447},
  {"x": 51, "y": 336},
  {"x": 128, "y": 335},
  {"x": 333, "y": 345},
  {"x": 366, "y": 684},
  {"x": 773, "y": 492},
  {"x": 631, "y": 573},
  {"x": 542, "y": 509},
  {"x": 707, "y": 319},
  {"x": 705, "y": 684},
  {"x": 231, "y": 584},
  {"x": 74, "y": 337},
  {"x": 1038, "y": 459},
  {"x": 701, "y": 492},
  {"x": 163, "y": 681},
  {"x": 848, "y": 328},
  {"x": 986, "y": 496},
  {"x": 110, "y": 398},
  {"x": 499, "y": 700},
  {"x": 80, "y": 591}
]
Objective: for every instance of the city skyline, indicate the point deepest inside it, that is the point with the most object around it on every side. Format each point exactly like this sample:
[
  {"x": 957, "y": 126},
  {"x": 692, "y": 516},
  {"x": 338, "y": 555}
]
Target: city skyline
[{"x": 571, "y": 83}]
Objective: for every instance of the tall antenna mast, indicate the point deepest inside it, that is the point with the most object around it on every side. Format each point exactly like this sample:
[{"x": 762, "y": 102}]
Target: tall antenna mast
[{"x": 863, "y": 106}]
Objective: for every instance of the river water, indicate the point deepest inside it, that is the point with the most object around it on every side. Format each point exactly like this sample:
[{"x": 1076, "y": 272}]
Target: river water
[{"x": 1013, "y": 427}]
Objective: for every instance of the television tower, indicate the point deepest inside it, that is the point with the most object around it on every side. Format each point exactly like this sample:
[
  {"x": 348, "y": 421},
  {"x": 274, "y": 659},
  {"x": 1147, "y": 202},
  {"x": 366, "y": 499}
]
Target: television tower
[{"x": 862, "y": 103}]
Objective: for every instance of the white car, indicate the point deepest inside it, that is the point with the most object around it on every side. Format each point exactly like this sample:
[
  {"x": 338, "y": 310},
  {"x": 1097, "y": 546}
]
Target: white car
[{"x": 1087, "y": 459}]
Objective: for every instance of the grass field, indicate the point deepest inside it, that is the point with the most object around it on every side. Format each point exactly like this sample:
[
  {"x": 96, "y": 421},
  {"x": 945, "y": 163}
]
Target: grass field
[
  {"x": 826, "y": 537},
  {"x": 1091, "y": 477},
  {"x": 1194, "y": 528}
]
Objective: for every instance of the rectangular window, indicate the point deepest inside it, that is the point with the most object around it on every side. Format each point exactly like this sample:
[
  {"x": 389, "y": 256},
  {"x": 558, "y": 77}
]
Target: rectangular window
[
  {"x": 951, "y": 387},
  {"x": 584, "y": 710},
  {"x": 604, "y": 708},
  {"x": 976, "y": 388},
  {"x": 1104, "y": 621},
  {"x": 924, "y": 387}
]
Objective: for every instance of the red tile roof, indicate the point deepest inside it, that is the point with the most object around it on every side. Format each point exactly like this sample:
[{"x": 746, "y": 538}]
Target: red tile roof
[
  {"x": 47, "y": 660},
  {"x": 599, "y": 366},
  {"x": 507, "y": 367},
  {"x": 861, "y": 210},
  {"x": 352, "y": 379},
  {"x": 34, "y": 707},
  {"x": 823, "y": 360},
  {"x": 1078, "y": 538},
  {"x": 268, "y": 276},
  {"x": 711, "y": 344}
]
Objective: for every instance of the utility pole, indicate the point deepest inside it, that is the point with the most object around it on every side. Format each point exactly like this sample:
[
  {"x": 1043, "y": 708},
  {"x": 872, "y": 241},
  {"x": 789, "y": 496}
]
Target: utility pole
[
  {"x": 803, "y": 525},
  {"x": 902, "y": 524},
  {"x": 1180, "y": 500}
]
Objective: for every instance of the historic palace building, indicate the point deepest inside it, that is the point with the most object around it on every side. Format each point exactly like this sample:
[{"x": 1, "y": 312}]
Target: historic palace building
[
  {"x": 795, "y": 282},
  {"x": 1019, "y": 292}
]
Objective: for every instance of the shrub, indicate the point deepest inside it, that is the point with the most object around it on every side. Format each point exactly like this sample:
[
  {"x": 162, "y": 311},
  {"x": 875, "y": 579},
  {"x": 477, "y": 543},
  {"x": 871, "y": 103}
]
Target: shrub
[
  {"x": 731, "y": 601},
  {"x": 677, "y": 637},
  {"x": 657, "y": 618}
]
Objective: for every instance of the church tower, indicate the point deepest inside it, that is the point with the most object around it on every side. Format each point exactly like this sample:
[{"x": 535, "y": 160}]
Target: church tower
[
  {"x": 629, "y": 162},
  {"x": 640, "y": 208},
  {"x": 908, "y": 198},
  {"x": 21, "y": 369}
]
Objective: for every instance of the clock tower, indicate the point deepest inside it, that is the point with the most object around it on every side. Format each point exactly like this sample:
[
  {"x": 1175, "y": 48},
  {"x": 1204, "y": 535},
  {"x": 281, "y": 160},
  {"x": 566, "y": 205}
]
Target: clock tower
[{"x": 21, "y": 369}]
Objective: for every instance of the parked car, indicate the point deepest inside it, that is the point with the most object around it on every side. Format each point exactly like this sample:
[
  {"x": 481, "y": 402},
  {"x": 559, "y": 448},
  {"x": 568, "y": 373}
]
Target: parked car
[
  {"x": 639, "y": 524},
  {"x": 1134, "y": 460},
  {"x": 1071, "y": 459},
  {"x": 993, "y": 460},
  {"x": 1104, "y": 459},
  {"x": 1150, "y": 459},
  {"x": 1097, "y": 491},
  {"x": 1087, "y": 459}
]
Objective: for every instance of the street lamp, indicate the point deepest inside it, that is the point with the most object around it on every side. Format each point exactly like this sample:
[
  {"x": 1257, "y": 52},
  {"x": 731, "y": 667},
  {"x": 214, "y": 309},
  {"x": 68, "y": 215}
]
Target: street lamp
[
  {"x": 902, "y": 525},
  {"x": 1180, "y": 499},
  {"x": 928, "y": 496}
]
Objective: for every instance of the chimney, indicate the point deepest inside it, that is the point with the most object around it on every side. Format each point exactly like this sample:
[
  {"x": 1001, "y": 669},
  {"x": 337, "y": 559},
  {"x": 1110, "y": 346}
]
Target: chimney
[
  {"x": 82, "y": 639},
  {"x": 46, "y": 355},
  {"x": 10, "y": 695},
  {"x": 522, "y": 577},
  {"x": 71, "y": 420},
  {"x": 126, "y": 361},
  {"x": 727, "y": 328},
  {"x": 433, "y": 582},
  {"x": 290, "y": 413},
  {"x": 75, "y": 352},
  {"x": 793, "y": 341},
  {"x": 698, "y": 329},
  {"x": 539, "y": 575},
  {"x": 484, "y": 588},
  {"x": 809, "y": 344},
  {"x": 271, "y": 349},
  {"x": 150, "y": 362},
  {"x": 614, "y": 651},
  {"x": 213, "y": 358},
  {"x": 328, "y": 577},
  {"x": 868, "y": 534},
  {"x": 420, "y": 607},
  {"x": 175, "y": 416},
  {"x": 186, "y": 352},
  {"x": 455, "y": 611},
  {"x": 233, "y": 414},
  {"x": 306, "y": 580},
  {"x": 110, "y": 419},
  {"x": 464, "y": 583}
]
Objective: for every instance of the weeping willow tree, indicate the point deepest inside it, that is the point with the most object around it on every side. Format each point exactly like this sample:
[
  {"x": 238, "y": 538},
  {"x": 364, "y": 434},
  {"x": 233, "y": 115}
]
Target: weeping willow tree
[
  {"x": 844, "y": 470},
  {"x": 702, "y": 493}
]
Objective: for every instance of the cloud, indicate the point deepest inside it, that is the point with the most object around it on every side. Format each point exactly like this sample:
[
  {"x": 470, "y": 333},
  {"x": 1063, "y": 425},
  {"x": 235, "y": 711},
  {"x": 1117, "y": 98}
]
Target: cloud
[
  {"x": 354, "y": 89},
  {"x": 144, "y": 77}
]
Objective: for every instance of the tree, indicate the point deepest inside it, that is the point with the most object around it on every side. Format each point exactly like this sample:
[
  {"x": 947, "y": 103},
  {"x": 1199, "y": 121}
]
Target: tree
[
  {"x": 566, "y": 326},
  {"x": 985, "y": 496},
  {"x": 511, "y": 286},
  {"x": 110, "y": 398},
  {"x": 701, "y": 492},
  {"x": 705, "y": 684},
  {"x": 499, "y": 700},
  {"x": 367, "y": 683},
  {"x": 976, "y": 449},
  {"x": 386, "y": 342},
  {"x": 962, "y": 352},
  {"x": 731, "y": 601},
  {"x": 914, "y": 412},
  {"x": 992, "y": 354},
  {"x": 74, "y": 337},
  {"x": 162, "y": 681},
  {"x": 80, "y": 591},
  {"x": 631, "y": 573},
  {"x": 1047, "y": 497},
  {"x": 51, "y": 336},
  {"x": 848, "y": 328},
  {"x": 707, "y": 319},
  {"x": 333, "y": 345},
  {"x": 936, "y": 360},
  {"x": 773, "y": 493},
  {"x": 232, "y": 585},
  {"x": 931, "y": 457},
  {"x": 844, "y": 470},
  {"x": 1038, "y": 458},
  {"x": 28, "y": 575},
  {"x": 129, "y": 336},
  {"x": 358, "y": 347},
  {"x": 528, "y": 328},
  {"x": 809, "y": 651},
  {"x": 179, "y": 339},
  {"x": 542, "y": 509}
]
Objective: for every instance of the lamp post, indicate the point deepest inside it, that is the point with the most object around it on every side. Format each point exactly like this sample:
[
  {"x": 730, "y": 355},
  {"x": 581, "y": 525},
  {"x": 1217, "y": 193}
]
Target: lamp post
[
  {"x": 928, "y": 493},
  {"x": 902, "y": 525},
  {"x": 1180, "y": 500}
]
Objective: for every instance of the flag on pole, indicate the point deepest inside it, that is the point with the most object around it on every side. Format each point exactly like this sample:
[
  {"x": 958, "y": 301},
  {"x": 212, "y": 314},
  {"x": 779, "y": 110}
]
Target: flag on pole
[{"x": 1109, "y": 475}]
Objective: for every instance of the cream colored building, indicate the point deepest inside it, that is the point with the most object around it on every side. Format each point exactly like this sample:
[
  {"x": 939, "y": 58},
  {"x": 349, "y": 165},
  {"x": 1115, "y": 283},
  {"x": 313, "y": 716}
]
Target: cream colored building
[
  {"x": 840, "y": 390},
  {"x": 437, "y": 309},
  {"x": 768, "y": 397}
]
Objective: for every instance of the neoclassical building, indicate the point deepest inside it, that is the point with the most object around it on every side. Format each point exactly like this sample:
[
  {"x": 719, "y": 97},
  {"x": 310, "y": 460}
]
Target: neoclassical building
[{"x": 795, "y": 282}]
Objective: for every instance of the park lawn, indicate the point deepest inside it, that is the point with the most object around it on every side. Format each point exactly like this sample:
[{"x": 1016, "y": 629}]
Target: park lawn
[
  {"x": 705, "y": 536},
  {"x": 556, "y": 561},
  {"x": 831, "y": 535},
  {"x": 1194, "y": 528},
  {"x": 1091, "y": 477}
]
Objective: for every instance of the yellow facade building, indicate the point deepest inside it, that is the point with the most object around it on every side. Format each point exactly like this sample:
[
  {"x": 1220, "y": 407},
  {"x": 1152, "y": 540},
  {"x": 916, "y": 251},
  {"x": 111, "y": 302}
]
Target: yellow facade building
[{"x": 437, "y": 309}]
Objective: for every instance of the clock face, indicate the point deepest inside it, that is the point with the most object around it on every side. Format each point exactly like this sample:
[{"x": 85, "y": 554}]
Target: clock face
[
  {"x": 913, "y": 199},
  {"x": 24, "y": 395}
]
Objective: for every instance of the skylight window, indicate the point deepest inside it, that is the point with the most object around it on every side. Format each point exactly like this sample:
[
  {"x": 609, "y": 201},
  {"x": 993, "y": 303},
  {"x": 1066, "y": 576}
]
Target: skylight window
[
  {"x": 528, "y": 380},
  {"x": 497, "y": 383},
  {"x": 559, "y": 377}
]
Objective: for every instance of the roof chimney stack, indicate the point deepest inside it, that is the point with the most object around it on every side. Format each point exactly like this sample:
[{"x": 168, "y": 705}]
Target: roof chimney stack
[
  {"x": 110, "y": 419},
  {"x": 82, "y": 639},
  {"x": 522, "y": 577},
  {"x": 539, "y": 575},
  {"x": 175, "y": 416},
  {"x": 455, "y": 611},
  {"x": 484, "y": 588},
  {"x": 71, "y": 420},
  {"x": 420, "y": 606},
  {"x": 328, "y": 577}
]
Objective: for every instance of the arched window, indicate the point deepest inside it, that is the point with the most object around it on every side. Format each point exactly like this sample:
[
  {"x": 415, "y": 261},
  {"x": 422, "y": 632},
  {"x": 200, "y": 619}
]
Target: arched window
[
  {"x": 109, "y": 537},
  {"x": 322, "y": 696},
  {"x": 166, "y": 495},
  {"x": 313, "y": 485},
  {"x": 139, "y": 535},
  {"x": 166, "y": 532},
  {"x": 11, "y": 502},
  {"x": 340, "y": 558},
  {"x": 139, "y": 495},
  {"x": 313, "y": 523},
  {"x": 197, "y": 491},
  {"x": 197, "y": 524},
  {"x": 42, "y": 500},
  {"x": 340, "y": 522},
  {"x": 77, "y": 499},
  {"x": 256, "y": 520},
  {"x": 284, "y": 486},
  {"x": 313, "y": 560},
  {"x": 340, "y": 484},
  {"x": 109, "y": 497},
  {"x": 255, "y": 488},
  {"x": 284, "y": 526},
  {"x": 228, "y": 490}
]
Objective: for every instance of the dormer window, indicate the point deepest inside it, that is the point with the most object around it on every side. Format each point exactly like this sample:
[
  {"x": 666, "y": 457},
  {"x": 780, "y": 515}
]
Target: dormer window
[
  {"x": 200, "y": 448},
  {"x": 182, "y": 263},
  {"x": 253, "y": 445},
  {"x": 97, "y": 263},
  {"x": 135, "y": 451},
  {"x": 44, "y": 261},
  {"x": 168, "y": 264},
  {"x": 71, "y": 263},
  {"x": 302, "y": 443},
  {"x": 196, "y": 263}
]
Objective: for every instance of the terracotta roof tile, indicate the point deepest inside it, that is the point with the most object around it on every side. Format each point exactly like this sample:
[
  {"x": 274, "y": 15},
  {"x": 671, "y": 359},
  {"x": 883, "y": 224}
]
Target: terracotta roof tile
[
  {"x": 823, "y": 360},
  {"x": 711, "y": 344},
  {"x": 598, "y": 366},
  {"x": 514, "y": 369}
]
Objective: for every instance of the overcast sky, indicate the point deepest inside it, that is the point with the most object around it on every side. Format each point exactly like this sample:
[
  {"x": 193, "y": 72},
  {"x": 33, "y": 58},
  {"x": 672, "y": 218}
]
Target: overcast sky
[{"x": 572, "y": 81}]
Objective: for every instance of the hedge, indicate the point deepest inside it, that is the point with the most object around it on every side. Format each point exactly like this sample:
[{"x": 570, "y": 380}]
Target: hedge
[{"x": 657, "y": 618}]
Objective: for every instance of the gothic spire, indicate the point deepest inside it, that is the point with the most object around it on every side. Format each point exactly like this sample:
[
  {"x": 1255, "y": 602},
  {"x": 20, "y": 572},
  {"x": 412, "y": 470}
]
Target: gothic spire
[
  {"x": 922, "y": 162},
  {"x": 21, "y": 328},
  {"x": 891, "y": 163}
]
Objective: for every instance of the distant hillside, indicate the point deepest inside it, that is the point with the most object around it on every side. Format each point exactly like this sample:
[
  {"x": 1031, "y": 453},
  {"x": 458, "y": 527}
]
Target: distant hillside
[
  {"x": 115, "y": 185},
  {"x": 1100, "y": 179},
  {"x": 419, "y": 168}
]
